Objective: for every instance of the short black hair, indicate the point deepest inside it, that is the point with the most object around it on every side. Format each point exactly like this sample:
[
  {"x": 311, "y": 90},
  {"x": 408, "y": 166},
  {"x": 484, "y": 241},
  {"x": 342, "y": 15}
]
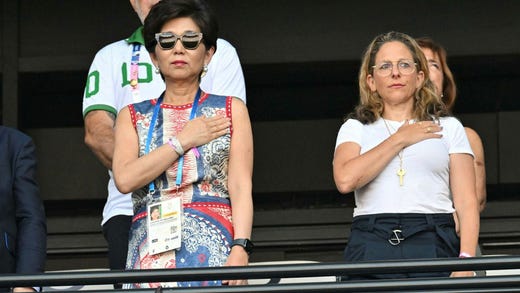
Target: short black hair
[{"x": 166, "y": 10}]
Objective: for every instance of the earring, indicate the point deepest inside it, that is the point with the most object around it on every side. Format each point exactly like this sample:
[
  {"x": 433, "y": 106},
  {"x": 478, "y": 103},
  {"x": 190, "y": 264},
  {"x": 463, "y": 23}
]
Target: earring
[
  {"x": 157, "y": 70},
  {"x": 204, "y": 70}
]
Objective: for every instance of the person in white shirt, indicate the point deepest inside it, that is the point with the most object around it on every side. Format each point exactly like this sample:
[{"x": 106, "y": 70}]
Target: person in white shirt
[
  {"x": 122, "y": 73},
  {"x": 409, "y": 164}
]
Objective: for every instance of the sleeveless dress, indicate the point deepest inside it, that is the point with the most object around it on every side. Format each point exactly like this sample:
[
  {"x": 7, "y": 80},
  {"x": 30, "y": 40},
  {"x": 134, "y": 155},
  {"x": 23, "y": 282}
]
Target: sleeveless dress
[{"x": 207, "y": 230}]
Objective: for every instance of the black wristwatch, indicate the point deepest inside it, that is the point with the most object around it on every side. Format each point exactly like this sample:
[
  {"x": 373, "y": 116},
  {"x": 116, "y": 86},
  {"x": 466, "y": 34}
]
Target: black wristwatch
[{"x": 245, "y": 243}]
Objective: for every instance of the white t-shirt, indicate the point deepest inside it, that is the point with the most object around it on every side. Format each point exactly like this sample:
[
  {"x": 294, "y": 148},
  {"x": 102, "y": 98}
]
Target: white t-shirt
[
  {"x": 108, "y": 88},
  {"x": 426, "y": 184}
]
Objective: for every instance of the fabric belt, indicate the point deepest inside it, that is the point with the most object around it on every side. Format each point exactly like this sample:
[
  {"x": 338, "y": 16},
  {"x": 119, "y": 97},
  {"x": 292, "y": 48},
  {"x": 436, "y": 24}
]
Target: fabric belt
[{"x": 398, "y": 227}]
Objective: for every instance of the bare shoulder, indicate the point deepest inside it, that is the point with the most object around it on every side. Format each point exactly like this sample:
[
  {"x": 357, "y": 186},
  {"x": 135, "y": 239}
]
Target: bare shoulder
[
  {"x": 472, "y": 135},
  {"x": 476, "y": 144},
  {"x": 238, "y": 107},
  {"x": 237, "y": 102}
]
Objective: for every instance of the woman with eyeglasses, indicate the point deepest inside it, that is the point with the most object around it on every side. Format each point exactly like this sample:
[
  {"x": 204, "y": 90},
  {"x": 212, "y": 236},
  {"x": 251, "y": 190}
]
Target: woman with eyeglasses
[
  {"x": 408, "y": 163},
  {"x": 188, "y": 150}
]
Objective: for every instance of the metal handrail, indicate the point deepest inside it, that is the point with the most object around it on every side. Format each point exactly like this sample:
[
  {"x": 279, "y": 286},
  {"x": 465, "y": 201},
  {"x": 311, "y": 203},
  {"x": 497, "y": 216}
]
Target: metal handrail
[{"x": 290, "y": 271}]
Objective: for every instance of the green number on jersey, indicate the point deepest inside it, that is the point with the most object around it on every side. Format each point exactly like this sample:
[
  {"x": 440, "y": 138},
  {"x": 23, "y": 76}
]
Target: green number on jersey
[
  {"x": 141, "y": 79},
  {"x": 92, "y": 81}
]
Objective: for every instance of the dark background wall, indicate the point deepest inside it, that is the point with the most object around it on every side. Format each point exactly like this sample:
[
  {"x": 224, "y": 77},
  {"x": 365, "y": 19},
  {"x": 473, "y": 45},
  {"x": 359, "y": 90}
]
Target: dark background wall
[{"x": 300, "y": 60}]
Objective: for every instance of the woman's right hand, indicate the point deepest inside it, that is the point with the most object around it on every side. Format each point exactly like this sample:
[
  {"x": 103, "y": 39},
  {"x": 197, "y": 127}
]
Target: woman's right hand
[
  {"x": 202, "y": 130},
  {"x": 413, "y": 133}
]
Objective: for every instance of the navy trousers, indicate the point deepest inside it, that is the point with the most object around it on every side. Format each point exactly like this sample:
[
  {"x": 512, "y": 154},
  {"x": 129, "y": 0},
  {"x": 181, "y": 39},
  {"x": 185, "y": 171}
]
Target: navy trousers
[{"x": 401, "y": 236}]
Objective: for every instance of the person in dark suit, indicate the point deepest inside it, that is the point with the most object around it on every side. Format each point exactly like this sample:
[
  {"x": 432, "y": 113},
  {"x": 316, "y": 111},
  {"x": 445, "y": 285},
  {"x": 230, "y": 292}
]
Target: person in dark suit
[{"x": 23, "y": 225}]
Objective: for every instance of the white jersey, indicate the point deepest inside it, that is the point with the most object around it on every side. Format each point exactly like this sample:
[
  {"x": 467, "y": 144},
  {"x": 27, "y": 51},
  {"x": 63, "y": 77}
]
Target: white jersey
[
  {"x": 426, "y": 184},
  {"x": 108, "y": 88}
]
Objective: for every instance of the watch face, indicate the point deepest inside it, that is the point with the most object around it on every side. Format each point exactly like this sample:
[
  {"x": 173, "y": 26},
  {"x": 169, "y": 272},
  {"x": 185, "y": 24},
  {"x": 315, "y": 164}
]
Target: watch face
[
  {"x": 249, "y": 246},
  {"x": 245, "y": 243}
]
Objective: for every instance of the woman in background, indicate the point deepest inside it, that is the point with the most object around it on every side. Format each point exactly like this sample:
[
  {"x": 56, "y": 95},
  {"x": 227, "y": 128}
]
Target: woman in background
[{"x": 442, "y": 78}]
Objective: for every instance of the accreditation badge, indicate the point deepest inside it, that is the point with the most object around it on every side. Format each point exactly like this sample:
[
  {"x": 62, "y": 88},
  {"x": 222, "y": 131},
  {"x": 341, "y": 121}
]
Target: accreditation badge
[{"x": 164, "y": 225}]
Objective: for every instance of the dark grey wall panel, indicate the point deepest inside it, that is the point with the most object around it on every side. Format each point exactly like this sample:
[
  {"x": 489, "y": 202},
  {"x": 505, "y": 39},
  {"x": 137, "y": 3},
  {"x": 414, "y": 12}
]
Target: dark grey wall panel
[
  {"x": 509, "y": 147},
  {"x": 278, "y": 31},
  {"x": 67, "y": 170},
  {"x": 309, "y": 30},
  {"x": 294, "y": 155},
  {"x": 71, "y": 28}
]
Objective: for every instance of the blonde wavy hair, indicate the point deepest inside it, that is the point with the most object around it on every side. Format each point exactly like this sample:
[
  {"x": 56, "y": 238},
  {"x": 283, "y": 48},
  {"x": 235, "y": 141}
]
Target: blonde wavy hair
[{"x": 428, "y": 105}]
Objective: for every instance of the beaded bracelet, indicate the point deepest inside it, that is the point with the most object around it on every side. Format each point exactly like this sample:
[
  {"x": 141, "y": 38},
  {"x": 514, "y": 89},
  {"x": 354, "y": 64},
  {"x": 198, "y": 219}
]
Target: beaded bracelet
[{"x": 176, "y": 145}]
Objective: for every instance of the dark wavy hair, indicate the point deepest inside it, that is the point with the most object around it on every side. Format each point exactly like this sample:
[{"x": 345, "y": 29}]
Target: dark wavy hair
[
  {"x": 427, "y": 105},
  {"x": 166, "y": 10},
  {"x": 449, "y": 89}
]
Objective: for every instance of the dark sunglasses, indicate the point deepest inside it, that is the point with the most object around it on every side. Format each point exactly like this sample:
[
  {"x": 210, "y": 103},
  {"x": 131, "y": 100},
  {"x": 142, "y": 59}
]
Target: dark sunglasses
[{"x": 189, "y": 40}]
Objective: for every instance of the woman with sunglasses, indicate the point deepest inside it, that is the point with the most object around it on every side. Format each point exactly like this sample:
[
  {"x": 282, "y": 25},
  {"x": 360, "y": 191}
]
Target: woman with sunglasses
[
  {"x": 188, "y": 150},
  {"x": 409, "y": 164}
]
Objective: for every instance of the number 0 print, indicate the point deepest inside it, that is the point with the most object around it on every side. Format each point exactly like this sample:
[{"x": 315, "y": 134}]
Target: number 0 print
[
  {"x": 147, "y": 78},
  {"x": 92, "y": 86}
]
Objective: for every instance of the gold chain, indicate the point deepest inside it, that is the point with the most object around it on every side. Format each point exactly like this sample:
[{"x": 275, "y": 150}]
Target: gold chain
[{"x": 401, "y": 171}]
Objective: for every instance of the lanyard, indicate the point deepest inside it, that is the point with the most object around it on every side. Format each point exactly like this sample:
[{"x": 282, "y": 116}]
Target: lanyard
[
  {"x": 134, "y": 69},
  {"x": 193, "y": 112},
  {"x": 151, "y": 187}
]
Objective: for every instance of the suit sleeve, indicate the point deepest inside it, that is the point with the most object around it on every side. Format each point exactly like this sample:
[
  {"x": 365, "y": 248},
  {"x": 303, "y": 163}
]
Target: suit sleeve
[{"x": 31, "y": 245}]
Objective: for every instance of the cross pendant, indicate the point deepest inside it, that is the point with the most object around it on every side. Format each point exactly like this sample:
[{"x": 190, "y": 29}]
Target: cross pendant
[{"x": 401, "y": 173}]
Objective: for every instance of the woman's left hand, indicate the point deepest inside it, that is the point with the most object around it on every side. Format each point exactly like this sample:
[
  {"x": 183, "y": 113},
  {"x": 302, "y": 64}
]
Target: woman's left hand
[
  {"x": 237, "y": 257},
  {"x": 462, "y": 274}
]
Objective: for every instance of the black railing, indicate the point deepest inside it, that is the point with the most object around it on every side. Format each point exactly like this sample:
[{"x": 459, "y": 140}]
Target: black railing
[{"x": 477, "y": 284}]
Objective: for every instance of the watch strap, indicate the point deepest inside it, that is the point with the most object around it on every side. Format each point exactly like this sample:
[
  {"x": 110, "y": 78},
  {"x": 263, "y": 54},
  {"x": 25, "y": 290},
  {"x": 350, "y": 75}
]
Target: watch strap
[{"x": 245, "y": 243}]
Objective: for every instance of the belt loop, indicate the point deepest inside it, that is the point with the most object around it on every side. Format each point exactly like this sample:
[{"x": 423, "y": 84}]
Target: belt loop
[
  {"x": 430, "y": 220},
  {"x": 371, "y": 222}
]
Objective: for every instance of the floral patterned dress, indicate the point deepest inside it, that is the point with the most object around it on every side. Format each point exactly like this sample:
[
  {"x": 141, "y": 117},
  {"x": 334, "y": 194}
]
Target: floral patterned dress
[{"x": 207, "y": 230}]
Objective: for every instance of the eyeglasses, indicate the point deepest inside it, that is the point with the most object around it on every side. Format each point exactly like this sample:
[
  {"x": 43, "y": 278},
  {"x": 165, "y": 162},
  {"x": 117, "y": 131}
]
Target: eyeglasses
[
  {"x": 405, "y": 67},
  {"x": 189, "y": 40}
]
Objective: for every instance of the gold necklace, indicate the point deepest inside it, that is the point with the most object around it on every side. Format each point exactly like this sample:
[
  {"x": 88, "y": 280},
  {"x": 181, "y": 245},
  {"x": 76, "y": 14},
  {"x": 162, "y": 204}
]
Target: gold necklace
[{"x": 401, "y": 171}]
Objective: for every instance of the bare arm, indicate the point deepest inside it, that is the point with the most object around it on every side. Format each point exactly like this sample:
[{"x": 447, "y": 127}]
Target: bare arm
[
  {"x": 462, "y": 183},
  {"x": 131, "y": 172},
  {"x": 240, "y": 183},
  {"x": 353, "y": 170},
  {"x": 480, "y": 166},
  {"x": 99, "y": 135}
]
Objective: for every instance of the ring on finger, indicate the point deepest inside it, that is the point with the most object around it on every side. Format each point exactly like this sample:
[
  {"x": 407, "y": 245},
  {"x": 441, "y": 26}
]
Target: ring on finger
[{"x": 429, "y": 129}]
